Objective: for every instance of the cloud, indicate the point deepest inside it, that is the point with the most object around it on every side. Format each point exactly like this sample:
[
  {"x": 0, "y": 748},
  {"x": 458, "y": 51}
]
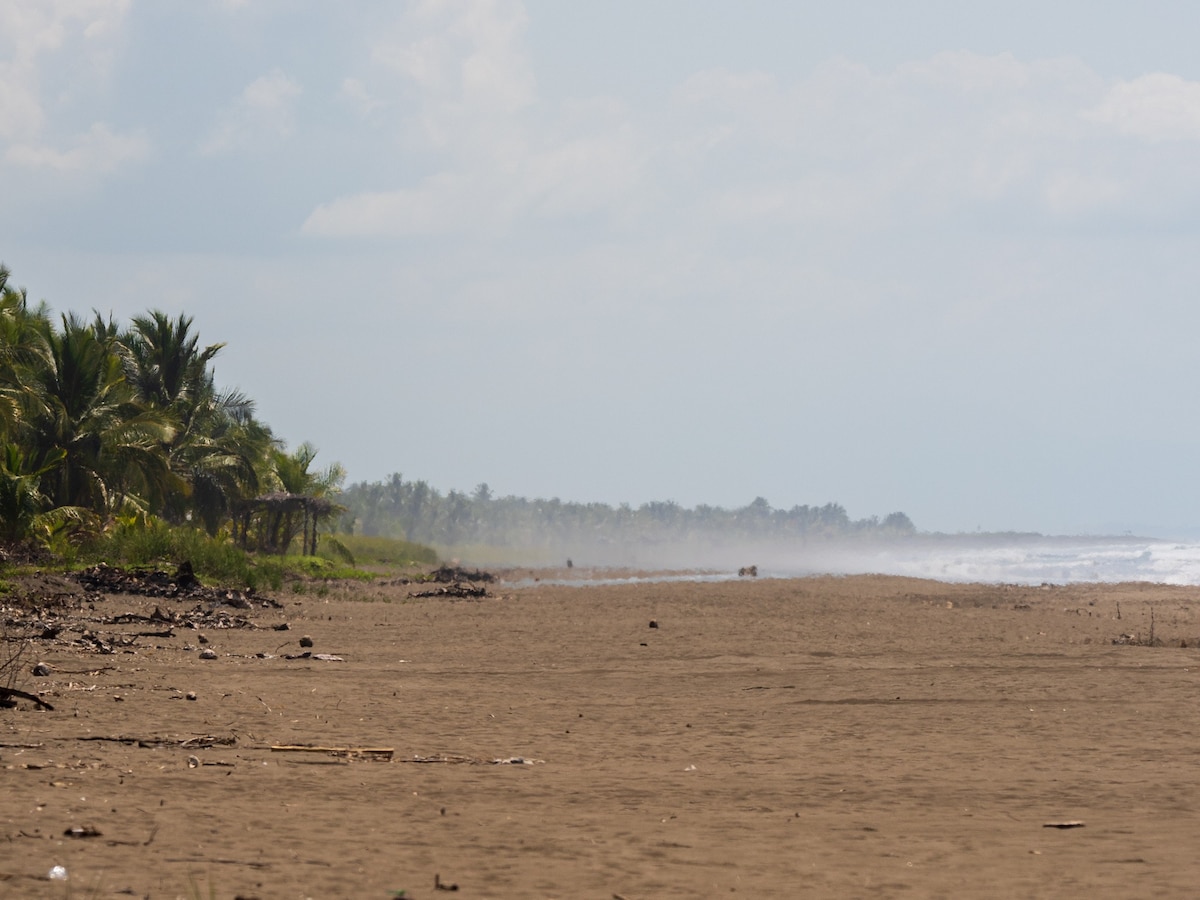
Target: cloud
[
  {"x": 1157, "y": 107},
  {"x": 955, "y": 138},
  {"x": 99, "y": 149},
  {"x": 71, "y": 41},
  {"x": 458, "y": 72},
  {"x": 262, "y": 115},
  {"x": 463, "y": 54},
  {"x": 355, "y": 92}
]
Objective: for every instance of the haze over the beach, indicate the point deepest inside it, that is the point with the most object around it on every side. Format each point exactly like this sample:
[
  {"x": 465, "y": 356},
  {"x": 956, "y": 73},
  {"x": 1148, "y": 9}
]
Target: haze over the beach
[{"x": 934, "y": 257}]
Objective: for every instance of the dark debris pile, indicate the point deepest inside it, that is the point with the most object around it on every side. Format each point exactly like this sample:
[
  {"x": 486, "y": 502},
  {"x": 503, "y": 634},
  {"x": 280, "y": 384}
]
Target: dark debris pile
[
  {"x": 183, "y": 585},
  {"x": 456, "y": 589},
  {"x": 454, "y": 574}
]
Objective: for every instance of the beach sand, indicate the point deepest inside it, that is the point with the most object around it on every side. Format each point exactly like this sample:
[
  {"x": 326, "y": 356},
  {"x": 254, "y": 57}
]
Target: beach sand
[{"x": 821, "y": 737}]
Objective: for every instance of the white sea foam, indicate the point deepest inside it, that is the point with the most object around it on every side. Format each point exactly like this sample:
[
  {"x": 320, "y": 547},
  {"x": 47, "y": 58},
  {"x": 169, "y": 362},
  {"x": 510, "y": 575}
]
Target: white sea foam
[
  {"x": 995, "y": 559},
  {"x": 1027, "y": 560}
]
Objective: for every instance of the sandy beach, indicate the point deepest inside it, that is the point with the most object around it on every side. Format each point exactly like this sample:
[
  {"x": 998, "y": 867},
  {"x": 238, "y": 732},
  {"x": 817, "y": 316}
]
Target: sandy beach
[{"x": 819, "y": 737}]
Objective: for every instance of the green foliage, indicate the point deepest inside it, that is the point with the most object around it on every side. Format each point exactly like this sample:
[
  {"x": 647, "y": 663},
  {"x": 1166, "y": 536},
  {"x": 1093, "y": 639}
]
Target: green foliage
[
  {"x": 489, "y": 529},
  {"x": 386, "y": 552},
  {"x": 153, "y": 542},
  {"x": 100, "y": 424}
]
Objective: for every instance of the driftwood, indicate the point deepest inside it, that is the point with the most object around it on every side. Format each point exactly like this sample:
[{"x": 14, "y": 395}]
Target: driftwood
[
  {"x": 183, "y": 585},
  {"x": 206, "y": 740},
  {"x": 450, "y": 574},
  {"x": 348, "y": 752},
  {"x": 7, "y": 694},
  {"x": 457, "y": 589}
]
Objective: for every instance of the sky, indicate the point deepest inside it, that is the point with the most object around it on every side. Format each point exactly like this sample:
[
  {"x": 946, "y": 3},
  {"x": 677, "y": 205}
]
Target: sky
[{"x": 915, "y": 255}]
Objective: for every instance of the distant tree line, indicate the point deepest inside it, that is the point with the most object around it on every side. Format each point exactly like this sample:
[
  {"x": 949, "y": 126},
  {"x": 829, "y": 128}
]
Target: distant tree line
[
  {"x": 103, "y": 425},
  {"x": 417, "y": 512}
]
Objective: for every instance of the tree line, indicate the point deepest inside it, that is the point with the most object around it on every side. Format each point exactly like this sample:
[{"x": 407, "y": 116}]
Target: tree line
[
  {"x": 103, "y": 425},
  {"x": 417, "y": 512}
]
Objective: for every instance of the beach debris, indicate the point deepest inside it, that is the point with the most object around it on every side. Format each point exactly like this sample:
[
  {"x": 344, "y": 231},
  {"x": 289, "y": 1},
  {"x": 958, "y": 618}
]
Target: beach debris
[
  {"x": 82, "y": 831},
  {"x": 196, "y": 618},
  {"x": 451, "y": 574},
  {"x": 183, "y": 585},
  {"x": 324, "y": 657},
  {"x": 439, "y": 886},
  {"x": 202, "y": 741},
  {"x": 748, "y": 571},
  {"x": 58, "y": 873},
  {"x": 9, "y": 695},
  {"x": 516, "y": 761},
  {"x": 457, "y": 589},
  {"x": 193, "y": 762},
  {"x": 377, "y": 753},
  {"x": 208, "y": 653},
  {"x": 1070, "y": 823}
]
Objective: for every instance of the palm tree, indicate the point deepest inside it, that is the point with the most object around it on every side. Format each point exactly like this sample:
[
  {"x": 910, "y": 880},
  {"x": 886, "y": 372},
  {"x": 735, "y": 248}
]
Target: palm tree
[
  {"x": 21, "y": 348},
  {"x": 217, "y": 446},
  {"x": 99, "y": 448},
  {"x": 299, "y": 497}
]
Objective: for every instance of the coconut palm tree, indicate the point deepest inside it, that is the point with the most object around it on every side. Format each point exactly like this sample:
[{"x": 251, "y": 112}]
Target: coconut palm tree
[
  {"x": 217, "y": 447},
  {"x": 99, "y": 447}
]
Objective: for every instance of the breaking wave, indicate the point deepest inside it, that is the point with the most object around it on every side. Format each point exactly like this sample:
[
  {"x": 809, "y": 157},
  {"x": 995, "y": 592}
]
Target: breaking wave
[{"x": 1025, "y": 561}]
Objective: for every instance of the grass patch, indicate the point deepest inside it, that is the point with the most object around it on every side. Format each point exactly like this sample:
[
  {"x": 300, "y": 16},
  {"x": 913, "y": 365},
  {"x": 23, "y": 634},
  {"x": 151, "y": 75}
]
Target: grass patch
[
  {"x": 216, "y": 560},
  {"x": 373, "y": 550},
  {"x": 157, "y": 544}
]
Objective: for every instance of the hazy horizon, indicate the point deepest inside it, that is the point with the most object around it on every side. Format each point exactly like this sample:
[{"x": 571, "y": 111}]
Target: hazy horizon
[{"x": 912, "y": 256}]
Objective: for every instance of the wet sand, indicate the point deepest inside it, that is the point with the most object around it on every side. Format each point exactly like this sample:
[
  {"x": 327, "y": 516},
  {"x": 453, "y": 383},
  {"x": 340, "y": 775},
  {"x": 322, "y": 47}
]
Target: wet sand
[{"x": 822, "y": 737}]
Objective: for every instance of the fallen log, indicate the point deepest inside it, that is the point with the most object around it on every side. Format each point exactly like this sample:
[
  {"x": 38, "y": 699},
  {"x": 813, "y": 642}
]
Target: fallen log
[{"x": 7, "y": 693}]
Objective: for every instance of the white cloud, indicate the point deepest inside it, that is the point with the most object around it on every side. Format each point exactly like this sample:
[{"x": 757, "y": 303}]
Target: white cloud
[
  {"x": 97, "y": 150},
  {"x": 262, "y": 115},
  {"x": 356, "y": 93},
  {"x": 72, "y": 43},
  {"x": 1157, "y": 107},
  {"x": 845, "y": 148},
  {"x": 467, "y": 91}
]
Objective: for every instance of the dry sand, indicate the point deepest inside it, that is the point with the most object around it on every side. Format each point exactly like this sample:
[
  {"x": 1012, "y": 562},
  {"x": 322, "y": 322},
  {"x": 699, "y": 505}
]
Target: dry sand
[{"x": 823, "y": 737}]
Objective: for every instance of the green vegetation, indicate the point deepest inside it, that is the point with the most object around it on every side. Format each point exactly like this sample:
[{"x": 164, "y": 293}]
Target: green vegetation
[
  {"x": 487, "y": 528},
  {"x": 379, "y": 551},
  {"x": 116, "y": 444}
]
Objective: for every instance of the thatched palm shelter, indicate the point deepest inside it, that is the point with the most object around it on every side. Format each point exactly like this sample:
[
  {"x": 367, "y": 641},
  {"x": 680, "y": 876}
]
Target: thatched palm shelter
[{"x": 272, "y": 521}]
